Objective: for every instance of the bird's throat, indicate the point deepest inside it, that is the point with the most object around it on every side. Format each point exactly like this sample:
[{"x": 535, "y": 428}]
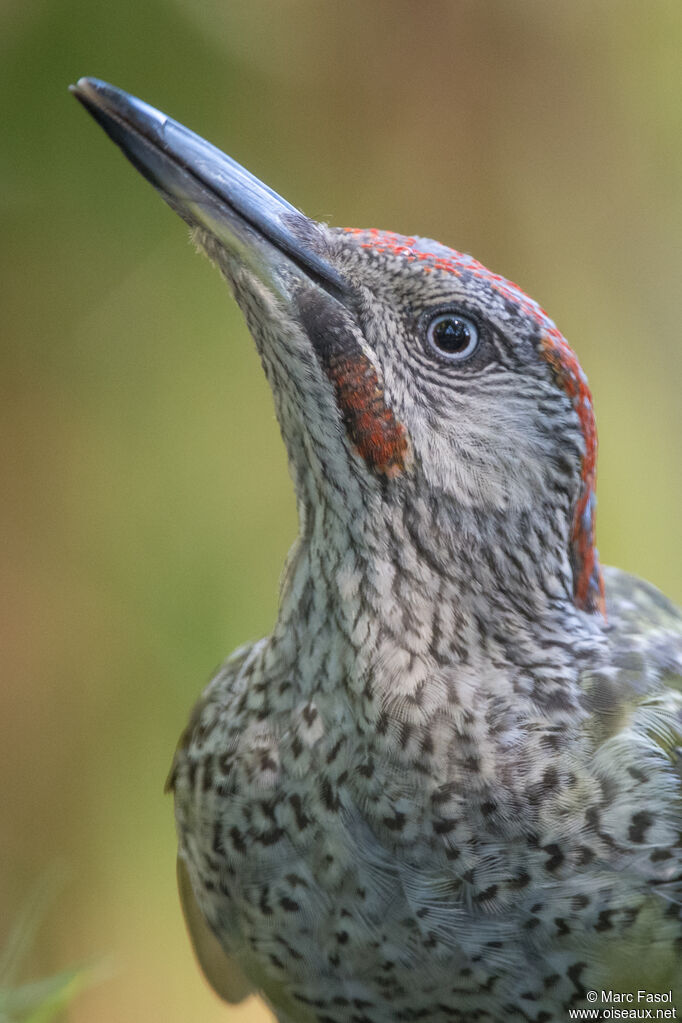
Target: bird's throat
[{"x": 398, "y": 625}]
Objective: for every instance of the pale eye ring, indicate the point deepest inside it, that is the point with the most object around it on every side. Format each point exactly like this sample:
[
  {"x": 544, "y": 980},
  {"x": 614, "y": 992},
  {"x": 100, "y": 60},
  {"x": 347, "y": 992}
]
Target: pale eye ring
[{"x": 452, "y": 336}]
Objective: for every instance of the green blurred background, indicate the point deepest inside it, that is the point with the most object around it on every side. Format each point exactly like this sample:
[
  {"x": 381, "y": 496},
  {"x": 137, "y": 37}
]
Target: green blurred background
[{"x": 146, "y": 505}]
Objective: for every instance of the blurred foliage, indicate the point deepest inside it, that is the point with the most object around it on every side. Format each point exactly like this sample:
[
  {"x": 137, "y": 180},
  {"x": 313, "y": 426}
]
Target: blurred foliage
[
  {"x": 37, "y": 1001},
  {"x": 147, "y": 507},
  {"x": 41, "y": 1001}
]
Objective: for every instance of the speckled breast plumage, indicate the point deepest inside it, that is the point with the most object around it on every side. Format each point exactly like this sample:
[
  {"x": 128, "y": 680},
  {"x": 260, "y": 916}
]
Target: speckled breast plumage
[{"x": 487, "y": 862}]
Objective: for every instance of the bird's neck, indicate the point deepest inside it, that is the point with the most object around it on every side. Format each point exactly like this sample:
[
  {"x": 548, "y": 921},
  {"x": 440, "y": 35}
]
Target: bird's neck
[{"x": 396, "y": 615}]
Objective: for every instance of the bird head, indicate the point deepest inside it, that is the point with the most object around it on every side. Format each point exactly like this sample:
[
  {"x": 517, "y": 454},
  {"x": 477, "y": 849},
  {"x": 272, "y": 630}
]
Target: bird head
[{"x": 405, "y": 374}]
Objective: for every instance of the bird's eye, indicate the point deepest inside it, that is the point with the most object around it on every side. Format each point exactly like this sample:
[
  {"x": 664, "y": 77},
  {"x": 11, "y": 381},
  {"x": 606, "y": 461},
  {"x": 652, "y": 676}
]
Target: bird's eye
[{"x": 453, "y": 336}]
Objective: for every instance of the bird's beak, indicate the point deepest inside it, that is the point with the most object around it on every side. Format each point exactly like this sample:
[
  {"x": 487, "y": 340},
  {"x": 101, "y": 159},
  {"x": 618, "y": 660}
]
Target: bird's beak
[{"x": 210, "y": 190}]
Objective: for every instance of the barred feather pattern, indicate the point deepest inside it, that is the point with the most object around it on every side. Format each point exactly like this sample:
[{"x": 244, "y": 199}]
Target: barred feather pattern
[{"x": 381, "y": 832}]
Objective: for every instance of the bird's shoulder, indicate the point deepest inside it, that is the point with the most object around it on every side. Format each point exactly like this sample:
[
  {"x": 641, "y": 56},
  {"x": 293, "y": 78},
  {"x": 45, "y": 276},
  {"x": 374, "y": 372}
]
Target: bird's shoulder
[
  {"x": 214, "y": 725},
  {"x": 640, "y": 678},
  {"x": 643, "y": 623},
  {"x": 221, "y": 712},
  {"x": 635, "y": 721},
  {"x": 644, "y": 639}
]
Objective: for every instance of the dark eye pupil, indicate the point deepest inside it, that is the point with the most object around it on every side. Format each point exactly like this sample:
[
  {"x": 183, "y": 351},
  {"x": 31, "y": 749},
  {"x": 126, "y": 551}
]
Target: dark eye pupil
[{"x": 452, "y": 334}]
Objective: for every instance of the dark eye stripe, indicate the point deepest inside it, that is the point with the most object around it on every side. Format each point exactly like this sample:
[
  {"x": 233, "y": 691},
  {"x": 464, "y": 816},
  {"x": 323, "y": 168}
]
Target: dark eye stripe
[{"x": 371, "y": 425}]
